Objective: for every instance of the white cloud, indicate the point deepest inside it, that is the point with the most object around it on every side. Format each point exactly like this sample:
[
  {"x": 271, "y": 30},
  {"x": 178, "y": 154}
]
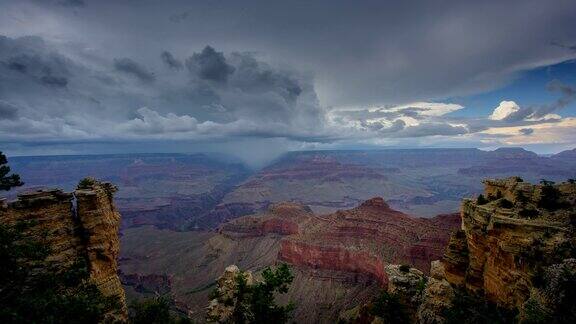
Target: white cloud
[
  {"x": 430, "y": 108},
  {"x": 504, "y": 109},
  {"x": 151, "y": 122}
]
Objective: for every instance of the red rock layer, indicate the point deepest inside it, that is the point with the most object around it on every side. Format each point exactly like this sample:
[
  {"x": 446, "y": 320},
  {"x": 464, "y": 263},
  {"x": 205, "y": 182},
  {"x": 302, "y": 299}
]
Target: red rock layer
[
  {"x": 333, "y": 258},
  {"x": 360, "y": 241}
]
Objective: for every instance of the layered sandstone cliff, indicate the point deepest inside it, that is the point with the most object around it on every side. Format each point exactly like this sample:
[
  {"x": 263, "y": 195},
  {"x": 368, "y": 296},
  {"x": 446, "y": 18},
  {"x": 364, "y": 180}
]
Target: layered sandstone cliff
[
  {"x": 514, "y": 258},
  {"x": 79, "y": 225},
  {"x": 364, "y": 239},
  {"x": 508, "y": 241}
]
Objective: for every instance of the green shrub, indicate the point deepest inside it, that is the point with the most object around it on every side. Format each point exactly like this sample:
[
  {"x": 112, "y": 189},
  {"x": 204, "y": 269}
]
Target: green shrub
[
  {"x": 471, "y": 309},
  {"x": 549, "y": 198},
  {"x": 388, "y": 307},
  {"x": 154, "y": 311},
  {"x": 505, "y": 203},
  {"x": 7, "y": 182},
  {"x": 481, "y": 200},
  {"x": 421, "y": 285},
  {"x": 256, "y": 303},
  {"x": 528, "y": 213},
  {"x": 86, "y": 182}
]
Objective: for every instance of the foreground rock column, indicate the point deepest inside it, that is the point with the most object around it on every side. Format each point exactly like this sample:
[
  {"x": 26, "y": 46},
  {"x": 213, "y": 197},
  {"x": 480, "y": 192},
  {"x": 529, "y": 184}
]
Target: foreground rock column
[
  {"x": 100, "y": 222},
  {"x": 83, "y": 229}
]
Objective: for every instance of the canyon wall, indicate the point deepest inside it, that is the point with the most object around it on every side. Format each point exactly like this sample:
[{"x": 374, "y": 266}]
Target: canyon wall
[
  {"x": 76, "y": 226},
  {"x": 512, "y": 243}
]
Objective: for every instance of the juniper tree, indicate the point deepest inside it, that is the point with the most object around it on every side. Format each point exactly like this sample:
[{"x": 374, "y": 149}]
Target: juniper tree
[{"x": 7, "y": 182}]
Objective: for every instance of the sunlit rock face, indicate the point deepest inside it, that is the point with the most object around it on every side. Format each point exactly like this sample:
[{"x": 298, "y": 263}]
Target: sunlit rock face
[
  {"x": 80, "y": 225},
  {"x": 511, "y": 240}
]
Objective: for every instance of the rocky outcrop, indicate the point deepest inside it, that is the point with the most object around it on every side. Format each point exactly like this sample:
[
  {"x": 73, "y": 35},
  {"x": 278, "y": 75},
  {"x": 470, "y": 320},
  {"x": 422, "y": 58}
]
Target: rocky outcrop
[
  {"x": 508, "y": 239},
  {"x": 79, "y": 225},
  {"x": 437, "y": 296},
  {"x": 512, "y": 241},
  {"x": 515, "y": 254},
  {"x": 222, "y": 307}
]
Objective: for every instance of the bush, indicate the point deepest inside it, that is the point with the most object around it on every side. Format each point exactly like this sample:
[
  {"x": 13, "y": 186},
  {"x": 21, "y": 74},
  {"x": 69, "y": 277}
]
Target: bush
[
  {"x": 256, "y": 303},
  {"x": 481, "y": 200},
  {"x": 528, "y": 213},
  {"x": 505, "y": 203},
  {"x": 154, "y": 311},
  {"x": 476, "y": 310},
  {"x": 86, "y": 182},
  {"x": 421, "y": 285},
  {"x": 388, "y": 307},
  {"x": 549, "y": 198}
]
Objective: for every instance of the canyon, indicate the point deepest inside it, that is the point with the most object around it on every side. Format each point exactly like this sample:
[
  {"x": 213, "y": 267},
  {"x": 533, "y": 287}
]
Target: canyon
[
  {"x": 185, "y": 218},
  {"x": 338, "y": 259}
]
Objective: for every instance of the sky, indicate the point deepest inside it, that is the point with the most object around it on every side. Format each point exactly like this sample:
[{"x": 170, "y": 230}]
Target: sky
[{"x": 258, "y": 78}]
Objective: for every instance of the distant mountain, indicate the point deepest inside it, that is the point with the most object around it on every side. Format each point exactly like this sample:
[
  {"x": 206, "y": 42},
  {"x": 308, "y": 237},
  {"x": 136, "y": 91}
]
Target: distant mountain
[
  {"x": 423, "y": 182},
  {"x": 568, "y": 156},
  {"x": 200, "y": 191}
]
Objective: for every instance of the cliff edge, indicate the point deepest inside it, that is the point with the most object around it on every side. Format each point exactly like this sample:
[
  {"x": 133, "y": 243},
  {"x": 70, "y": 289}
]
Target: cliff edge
[{"x": 79, "y": 225}]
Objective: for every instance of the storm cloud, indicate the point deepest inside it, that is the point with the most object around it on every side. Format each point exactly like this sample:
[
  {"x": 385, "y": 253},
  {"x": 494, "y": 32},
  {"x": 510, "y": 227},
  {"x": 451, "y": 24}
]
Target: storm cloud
[
  {"x": 171, "y": 61},
  {"x": 380, "y": 71},
  {"x": 130, "y": 67},
  {"x": 209, "y": 65},
  {"x": 8, "y": 110}
]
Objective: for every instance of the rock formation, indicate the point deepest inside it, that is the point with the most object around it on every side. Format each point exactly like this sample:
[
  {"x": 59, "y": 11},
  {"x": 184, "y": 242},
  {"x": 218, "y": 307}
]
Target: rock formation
[
  {"x": 79, "y": 225},
  {"x": 222, "y": 307},
  {"x": 363, "y": 240},
  {"x": 508, "y": 241},
  {"x": 515, "y": 252}
]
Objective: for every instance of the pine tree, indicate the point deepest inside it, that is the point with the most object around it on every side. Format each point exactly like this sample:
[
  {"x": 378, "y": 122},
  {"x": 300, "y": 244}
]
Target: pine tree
[{"x": 7, "y": 182}]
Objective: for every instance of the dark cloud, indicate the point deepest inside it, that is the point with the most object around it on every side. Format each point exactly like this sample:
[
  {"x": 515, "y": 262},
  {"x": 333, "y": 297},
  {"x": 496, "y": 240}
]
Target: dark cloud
[
  {"x": 421, "y": 52},
  {"x": 411, "y": 57},
  {"x": 526, "y": 131},
  {"x": 561, "y": 45},
  {"x": 170, "y": 61},
  {"x": 8, "y": 110},
  {"x": 132, "y": 68},
  {"x": 179, "y": 17},
  {"x": 58, "y": 82},
  {"x": 210, "y": 65},
  {"x": 72, "y": 3},
  {"x": 17, "y": 66},
  {"x": 254, "y": 76}
]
